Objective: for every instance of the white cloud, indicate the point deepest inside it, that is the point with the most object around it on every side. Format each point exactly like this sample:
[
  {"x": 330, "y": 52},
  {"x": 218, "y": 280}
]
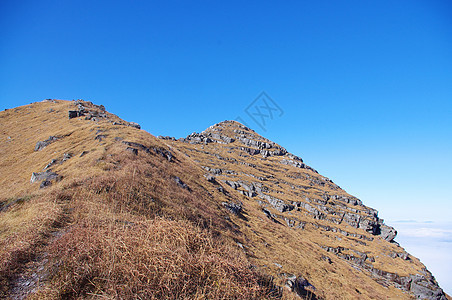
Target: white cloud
[{"x": 426, "y": 232}]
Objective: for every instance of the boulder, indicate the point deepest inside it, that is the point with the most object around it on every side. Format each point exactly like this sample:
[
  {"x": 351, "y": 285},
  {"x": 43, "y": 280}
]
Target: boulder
[
  {"x": 301, "y": 286},
  {"x": 387, "y": 232},
  {"x": 73, "y": 114}
]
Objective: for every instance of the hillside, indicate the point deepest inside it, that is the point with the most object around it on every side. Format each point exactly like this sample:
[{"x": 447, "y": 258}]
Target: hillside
[{"x": 91, "y": 206}]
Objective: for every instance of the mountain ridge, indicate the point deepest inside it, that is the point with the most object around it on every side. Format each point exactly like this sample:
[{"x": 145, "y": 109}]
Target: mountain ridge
[{"x": 288, "y": 221}]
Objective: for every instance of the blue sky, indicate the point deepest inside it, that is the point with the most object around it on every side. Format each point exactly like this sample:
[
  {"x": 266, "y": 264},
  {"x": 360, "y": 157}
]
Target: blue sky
[{"x": 365, "y": 87}]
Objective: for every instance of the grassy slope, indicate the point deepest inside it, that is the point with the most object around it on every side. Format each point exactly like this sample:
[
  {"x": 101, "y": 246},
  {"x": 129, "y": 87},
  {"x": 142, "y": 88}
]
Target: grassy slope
[{"x": 118, "y": 225}]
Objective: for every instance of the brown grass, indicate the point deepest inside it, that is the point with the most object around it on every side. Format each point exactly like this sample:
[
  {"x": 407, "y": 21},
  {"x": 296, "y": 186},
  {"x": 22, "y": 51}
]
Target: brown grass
[
  {"x": 23, "y": 227},
  {"x": 123, "y": 228},
  {"x": 156, "y": 259}
]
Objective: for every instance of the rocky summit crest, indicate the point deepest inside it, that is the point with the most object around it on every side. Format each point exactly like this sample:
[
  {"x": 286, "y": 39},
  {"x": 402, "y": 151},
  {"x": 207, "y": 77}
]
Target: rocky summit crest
[{"x": 111, "y": 210}]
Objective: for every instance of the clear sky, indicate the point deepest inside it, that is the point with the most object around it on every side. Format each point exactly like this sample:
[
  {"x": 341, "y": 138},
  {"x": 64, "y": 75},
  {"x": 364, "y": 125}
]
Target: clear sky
[{"x": 365, "y": 87}]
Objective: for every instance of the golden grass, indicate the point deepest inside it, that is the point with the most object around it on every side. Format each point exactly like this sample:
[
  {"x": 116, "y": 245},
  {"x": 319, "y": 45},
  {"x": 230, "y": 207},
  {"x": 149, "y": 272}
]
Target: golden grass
[{"x": 130, "y": 231}]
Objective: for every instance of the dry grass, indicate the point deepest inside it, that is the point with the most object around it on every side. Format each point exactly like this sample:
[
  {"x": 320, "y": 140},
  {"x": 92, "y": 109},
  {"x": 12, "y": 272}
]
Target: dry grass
[
  {"x": 126, "y": 229},
  {"x": 23, "y": 227},
  {"x": 155, "y": 259}
]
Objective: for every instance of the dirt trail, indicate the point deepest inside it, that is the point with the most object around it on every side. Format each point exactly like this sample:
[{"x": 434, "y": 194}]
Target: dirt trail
[{"x": 34, "y": 274}]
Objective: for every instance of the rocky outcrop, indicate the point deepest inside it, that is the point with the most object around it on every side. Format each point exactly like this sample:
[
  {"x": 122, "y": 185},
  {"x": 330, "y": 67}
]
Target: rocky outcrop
[
  {"x": 290, "y": 192},
  {"x": 46, "y": 178},
  {"x": 235, "y": 208},
  {"x": 423, "y": 286},
  {"x": 168, "y": 138},
  {"x": 159, "y": 151},
  {"x": 135, "y": 125},
  {"x": 301, "y": 287},
  {"x": 387, "y": 232},
  {"x": 42, "y": 144},
  {"x": 180, "y": 183}
]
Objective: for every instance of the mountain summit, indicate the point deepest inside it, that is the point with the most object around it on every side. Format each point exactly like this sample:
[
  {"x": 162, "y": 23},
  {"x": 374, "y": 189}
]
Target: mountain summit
[{"x": 93, "y": 206}]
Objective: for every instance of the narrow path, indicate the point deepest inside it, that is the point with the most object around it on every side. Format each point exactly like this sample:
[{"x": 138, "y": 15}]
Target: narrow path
[{"x": 34, "y": 274}]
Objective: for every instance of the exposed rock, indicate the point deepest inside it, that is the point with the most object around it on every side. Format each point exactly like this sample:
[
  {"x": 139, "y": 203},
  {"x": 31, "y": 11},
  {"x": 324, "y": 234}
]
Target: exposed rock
[
  {"x": 327, "y": 259},
  {"x": 387, "y": 232},
  {"x": 66, "y": 156},
  {"x": 424, "y": 288},
  {"x": 44, "y": 177},
  {"x": 170, "y": 138},
  {"x": 181, "y": 183},
  {"x": 197, "y": 138},
  {"x": 42, "y": 144},
  {"x": 301, "y": 286},
  {"x": 235, "y": 208},
  {"x": 135, "y": 125},
  {"x": 73, "y": 114},
  {"x": 164, "y": 153},
  {"x": 100, "y": 137},
  {"x": 211, "y": 178},
  {"x": 51, "y": 163},
  {"x": 159, "y": 151},
  {"x": 270, "y": 215},
  {"x": 402, "y": 255},
  {"x": 4, "y": 206},
  {"x": 293, "y": 163},
  {"x": 45, "y": 183},
  {"x": 232, "y": 184},
  {"x": 133, "y": 150}
]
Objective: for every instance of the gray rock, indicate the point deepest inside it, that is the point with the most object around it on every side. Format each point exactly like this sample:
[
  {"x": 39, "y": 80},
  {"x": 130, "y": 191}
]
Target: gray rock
[
  {"x": 45, "y": 183},
  {"x": 235, "y": 208},
  {"x": 301, "y": 286},
  {"x": 387, "y": 232},
  {"x": 211, "y": 178},
  {"x": 73, "y": 114},
  {"x": 170, "y": 138},
  {"x": 135, "y": 125},
  {"x": 278, "y": 204},
  {"x": 181, "y": 183},
  {"x": 293, "y": 163},
  {"x": 66, "y": 156},
  {"x": 40, "y": 176},
  {"x": 159, "y": 151},
  {"x": 327, "y": 259},
  {"x": 270, "y": 215},
  {"x": 42, "y": 144},
  {"x": 422, "y": 288},
  {"x": 51, "y": 163}
]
